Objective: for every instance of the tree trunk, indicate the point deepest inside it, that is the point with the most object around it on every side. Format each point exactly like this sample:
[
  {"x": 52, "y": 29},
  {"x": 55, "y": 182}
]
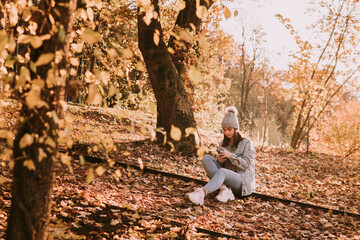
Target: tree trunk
[
  {"x": 295, "y": 139},
  {"x": 31, "y": 191},
  {"x": 173, "y": 107},
  {"x": 35, "y": 145},
  {"x": 297, "y": 132}
]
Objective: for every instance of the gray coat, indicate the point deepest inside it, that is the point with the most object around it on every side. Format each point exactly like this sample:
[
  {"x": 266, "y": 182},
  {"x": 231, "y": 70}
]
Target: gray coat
[{"x": 242, "y": 162}]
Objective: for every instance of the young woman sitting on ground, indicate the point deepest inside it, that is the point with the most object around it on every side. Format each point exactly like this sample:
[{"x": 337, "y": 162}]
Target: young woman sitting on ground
[{"x": 233, "y": 171}]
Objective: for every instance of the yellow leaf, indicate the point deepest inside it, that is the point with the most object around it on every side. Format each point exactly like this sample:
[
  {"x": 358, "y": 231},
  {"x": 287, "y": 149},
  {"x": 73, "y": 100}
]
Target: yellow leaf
[
  {"x": 27, "y": 13},
  {"x": 39, "y": 83},
  {"x": 173, "y": 234},
  {"x": 6, "y": 154},
  {"x": 98, "y": 4},
  {"x": 148, "y": 16},
  {"x": 26, "y": 140},
  {"x": 192, "y": 130},
  {"x": 90, "y": 36},
  {"x": 2, "y": 180},
  {"x": 201, "y": 12},
  {"x": 33, "y": 97},
  {"x": 41, "y": 155},
  {"x": 143, "y": 130},
  {"x": 10, "y": 141},
  {"x": 170, "y": 50},
  {"x": 118, "y": 173},
  {"x": 126, "y": 53},
  {"x": 65, "y": 159},
  {"x": 100, "y": 170},
  {"x": 9, "y": 63},
  {"x": 175, "y": 35},
  {"x": 197, "y": 139},
  {"x": 152, "y": 134},
  {"x": 193, "y": 27},
  {"x": 194, "y": 75},
  {"x": 112, "y": 90},
  {"x": 114, "y": 222},
  {"x": 81, "y": 13},
  {"x": 90, "y": 14},
  {"x": 236, "y": 13},
  {"x": 24, "y": 77},
  {"x": 36, "y": 42},
  {"x": 175, "y": 133},
  {"x": 20, "y": 29},
  {"x": 136, "y": 215},
  {"x": 90, "y": 175},
  {"x": 96, "y": 147},
  {"x": 189, "y": 130},
  {"x": 94, "y": 97},
  {"x": 180, "y": 5},
  {"x": 29, "y": 164},
  {"x": 50, "y": 142},
  {"x": 201, "y": 152},
  {"x": 146, "y": 20},
  {"x": 51, "y": 18},
  {"x": 186, "y": 36},
  {"x": 165, "y": 138},
  {"x": 82, "y": 160},
  {"x": 13, "y": 14},
  {"x": 227, "y": 13},
  {"x": 141, "y": 164},
  {"x": 11, "y": 164},
  {"x": 73, "y": 72},
  {"x": 77, "y": 47},
  {"x": 32, "y": 66},
  {"x": 24, "y": 38},
  {"x": 156, "y": 37},
  {"x": 328, "y": 225},
  {"x": 44, "y": 59},
  {"x": 126, "y": 153},
  {"x": 98, "y": 225},
  {"x": 74, "y": 61}
]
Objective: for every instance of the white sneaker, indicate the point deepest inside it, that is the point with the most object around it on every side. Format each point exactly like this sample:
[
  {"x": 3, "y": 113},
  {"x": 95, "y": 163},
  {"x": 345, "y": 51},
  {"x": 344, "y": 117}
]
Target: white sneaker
[
  {"x": 197, "y": 196},
  {"x": 225, "y": 194}
]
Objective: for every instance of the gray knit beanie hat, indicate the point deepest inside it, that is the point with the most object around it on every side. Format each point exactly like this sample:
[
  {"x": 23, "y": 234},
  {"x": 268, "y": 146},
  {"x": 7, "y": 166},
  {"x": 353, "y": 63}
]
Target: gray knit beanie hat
[{"x": 230, "y": 119}]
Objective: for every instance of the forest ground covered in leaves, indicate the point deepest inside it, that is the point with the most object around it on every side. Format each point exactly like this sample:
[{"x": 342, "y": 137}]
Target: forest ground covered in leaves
[{"x": 125, "y": 203}]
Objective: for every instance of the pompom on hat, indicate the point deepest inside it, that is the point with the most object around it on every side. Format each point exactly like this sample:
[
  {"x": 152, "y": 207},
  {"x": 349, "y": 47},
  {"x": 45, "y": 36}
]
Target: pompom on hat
[{"x": 230, "y": 120}]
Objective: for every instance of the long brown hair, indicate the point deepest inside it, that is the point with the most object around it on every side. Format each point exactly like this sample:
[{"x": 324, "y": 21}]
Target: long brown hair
[{"x": 237, "y": 138}]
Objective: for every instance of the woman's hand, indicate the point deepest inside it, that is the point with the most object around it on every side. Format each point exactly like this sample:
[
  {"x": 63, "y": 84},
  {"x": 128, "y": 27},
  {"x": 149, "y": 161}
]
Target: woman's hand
[
  {"x": 225, "y": 152},
  {"x": 221, "y": 158}
]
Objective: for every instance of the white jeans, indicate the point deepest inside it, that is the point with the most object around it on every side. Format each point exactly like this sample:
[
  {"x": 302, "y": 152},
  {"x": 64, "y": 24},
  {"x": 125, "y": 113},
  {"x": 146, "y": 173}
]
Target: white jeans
[{"x": 220, "y": 176}]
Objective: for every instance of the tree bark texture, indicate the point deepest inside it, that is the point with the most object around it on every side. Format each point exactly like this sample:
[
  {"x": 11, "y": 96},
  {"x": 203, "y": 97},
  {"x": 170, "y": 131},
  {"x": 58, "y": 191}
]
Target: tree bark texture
[
  {"x": 34, "y": 161},
  {"x": 173, "y": 107}
]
